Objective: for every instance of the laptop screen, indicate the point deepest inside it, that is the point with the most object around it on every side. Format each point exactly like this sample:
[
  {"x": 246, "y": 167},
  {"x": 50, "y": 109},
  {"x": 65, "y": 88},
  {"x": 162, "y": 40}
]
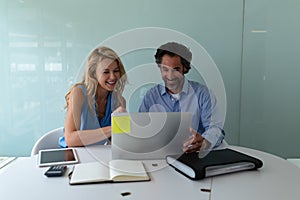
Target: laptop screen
[{"x": 151, "y": 135}]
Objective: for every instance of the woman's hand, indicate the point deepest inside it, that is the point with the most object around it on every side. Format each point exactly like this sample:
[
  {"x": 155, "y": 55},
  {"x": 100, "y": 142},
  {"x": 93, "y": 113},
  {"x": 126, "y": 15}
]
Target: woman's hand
[{"x": 120, "y": 109}]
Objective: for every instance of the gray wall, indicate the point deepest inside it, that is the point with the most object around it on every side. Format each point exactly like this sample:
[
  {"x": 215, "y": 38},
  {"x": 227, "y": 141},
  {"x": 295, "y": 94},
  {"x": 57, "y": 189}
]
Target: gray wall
[
  {"x": 270, "y": 111},
  {"x": 253, "y": 43}
]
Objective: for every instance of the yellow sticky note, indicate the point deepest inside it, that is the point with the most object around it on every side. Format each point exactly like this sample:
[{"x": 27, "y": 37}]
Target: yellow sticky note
[{"x": 120, "y": 124}]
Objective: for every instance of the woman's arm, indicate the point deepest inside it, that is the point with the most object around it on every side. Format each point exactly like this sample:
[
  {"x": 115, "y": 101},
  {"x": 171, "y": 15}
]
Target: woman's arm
[
  {"x": 121, "y": 107},
  {"x": 74, "y": 136}
]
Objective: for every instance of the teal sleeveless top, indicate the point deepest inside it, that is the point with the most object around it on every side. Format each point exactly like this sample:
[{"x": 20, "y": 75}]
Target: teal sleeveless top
[{"x": 89, "y": 120}]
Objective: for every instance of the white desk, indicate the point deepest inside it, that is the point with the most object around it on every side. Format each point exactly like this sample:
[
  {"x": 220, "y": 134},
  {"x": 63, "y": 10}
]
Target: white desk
[
  {"x": 4, "y": 161},
  {"x": 25, "y": 180},
  {"x": 278, "y": 179}
]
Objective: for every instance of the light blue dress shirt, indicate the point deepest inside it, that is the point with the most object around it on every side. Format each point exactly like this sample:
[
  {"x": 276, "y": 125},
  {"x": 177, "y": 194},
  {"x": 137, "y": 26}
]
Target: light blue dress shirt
[
  {"x": 194, "y": 98},
  {"x": 89, "y": 120}
]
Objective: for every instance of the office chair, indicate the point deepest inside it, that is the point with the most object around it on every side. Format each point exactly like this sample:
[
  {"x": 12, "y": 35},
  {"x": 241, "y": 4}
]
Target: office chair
[{"x": 48, "y": 141}]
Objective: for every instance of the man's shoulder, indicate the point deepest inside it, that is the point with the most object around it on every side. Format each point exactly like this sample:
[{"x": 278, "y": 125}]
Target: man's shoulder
[
  {"x": 157, "y": 88},
  {"x": 197, "y": 86}
]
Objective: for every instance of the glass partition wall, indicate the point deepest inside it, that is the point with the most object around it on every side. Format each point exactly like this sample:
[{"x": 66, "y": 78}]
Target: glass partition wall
[{"x": 253, "y": 43}]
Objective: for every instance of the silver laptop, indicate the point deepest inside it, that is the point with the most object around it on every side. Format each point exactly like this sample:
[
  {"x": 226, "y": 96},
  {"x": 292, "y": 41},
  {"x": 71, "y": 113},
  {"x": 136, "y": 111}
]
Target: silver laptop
[{"x": 152, "y": 135}]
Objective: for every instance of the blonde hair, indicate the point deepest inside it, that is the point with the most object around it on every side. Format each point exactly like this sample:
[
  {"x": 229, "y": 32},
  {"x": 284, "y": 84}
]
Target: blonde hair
[{"x": 90, "y": 81}]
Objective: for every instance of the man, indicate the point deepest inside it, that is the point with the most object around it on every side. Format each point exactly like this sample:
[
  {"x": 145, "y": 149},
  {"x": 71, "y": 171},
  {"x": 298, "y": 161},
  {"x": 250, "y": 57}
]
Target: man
[{"x": 181, "y": 95}]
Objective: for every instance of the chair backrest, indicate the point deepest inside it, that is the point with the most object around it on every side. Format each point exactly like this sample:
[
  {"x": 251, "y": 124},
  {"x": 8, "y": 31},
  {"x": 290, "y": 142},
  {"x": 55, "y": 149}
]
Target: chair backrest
[{"x": 48, "y": 141}]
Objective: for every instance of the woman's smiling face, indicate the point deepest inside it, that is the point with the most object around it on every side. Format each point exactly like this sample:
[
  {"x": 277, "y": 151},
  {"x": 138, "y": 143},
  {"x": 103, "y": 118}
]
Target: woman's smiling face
[{"x": 108, "y": 74}]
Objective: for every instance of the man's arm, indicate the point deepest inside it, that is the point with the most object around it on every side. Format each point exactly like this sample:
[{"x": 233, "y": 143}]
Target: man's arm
[
  {"x": 212, "y": 120},
  {"x": 143, "y": 107}
]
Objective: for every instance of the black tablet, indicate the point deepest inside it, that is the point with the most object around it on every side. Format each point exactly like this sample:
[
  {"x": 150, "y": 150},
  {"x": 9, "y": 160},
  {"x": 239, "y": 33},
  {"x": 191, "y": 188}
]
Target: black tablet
[{"x": 64, "y": 156}]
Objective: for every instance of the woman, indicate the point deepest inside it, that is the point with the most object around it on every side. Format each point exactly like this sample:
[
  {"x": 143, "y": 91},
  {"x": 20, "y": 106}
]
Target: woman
[{"x": 91, "y": 101}]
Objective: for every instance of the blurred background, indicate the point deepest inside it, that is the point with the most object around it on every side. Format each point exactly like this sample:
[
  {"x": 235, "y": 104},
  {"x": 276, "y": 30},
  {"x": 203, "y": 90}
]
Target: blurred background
[{"x": 254, "y": 43}]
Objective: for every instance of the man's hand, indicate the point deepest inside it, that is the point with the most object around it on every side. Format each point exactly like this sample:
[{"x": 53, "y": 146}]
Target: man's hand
[{"x": 194, "y": 142}]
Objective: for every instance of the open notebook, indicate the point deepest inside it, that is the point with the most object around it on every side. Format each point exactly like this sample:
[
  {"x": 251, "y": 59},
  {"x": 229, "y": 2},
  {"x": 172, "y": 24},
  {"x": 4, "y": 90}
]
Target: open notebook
[{"x": 116, "y": 171}]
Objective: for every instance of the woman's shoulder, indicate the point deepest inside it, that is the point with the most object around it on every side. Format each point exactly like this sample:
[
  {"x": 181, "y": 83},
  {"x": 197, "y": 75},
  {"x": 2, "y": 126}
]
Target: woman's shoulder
[{"x": 78, "y": 91}]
